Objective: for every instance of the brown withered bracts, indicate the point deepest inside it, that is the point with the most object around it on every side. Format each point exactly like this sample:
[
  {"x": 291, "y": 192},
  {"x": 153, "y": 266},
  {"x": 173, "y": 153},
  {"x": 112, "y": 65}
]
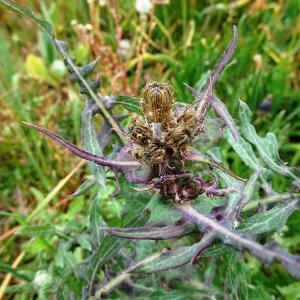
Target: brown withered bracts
[{"x": 161, "y": 142}]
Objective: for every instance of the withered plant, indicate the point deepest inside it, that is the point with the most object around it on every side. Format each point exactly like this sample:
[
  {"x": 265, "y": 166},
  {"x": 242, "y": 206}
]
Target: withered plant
[{"x": 189, "y": 192}]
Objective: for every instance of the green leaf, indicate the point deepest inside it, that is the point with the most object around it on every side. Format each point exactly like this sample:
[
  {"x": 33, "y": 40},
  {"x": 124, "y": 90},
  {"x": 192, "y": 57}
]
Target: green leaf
[
  {"x": 16, "y": 272},
  {"x": 162, "y": 213},
  {"x": 84, "y": 187},
  {"x": 26, "y": 12},
  {"x": 84, "y": 242},
  {"x": 291, "y": 291},
  {"x": 153, "y": 233},
  {"x": 96, "y": 223},
  {"x": 109, "y": 246},
  {"x": 68, "y": 258},
  {"x": 271, "y": 220},
  {"x": 165, "y": 295},
  {"x": 90, "y": 139},
  {"x": 38, "y": 230},
  {"x": 217, "y": 250},
  {"x": 248, "y": 190},
  {"x": 178, "y": 257},
  {"x": 169, "y": 259},
  {"x": 132, "y": 104},
  {"x": 247, "y": 155},
  {"x": 229, "y": 181},
  {"x": 267, "y": 146}
]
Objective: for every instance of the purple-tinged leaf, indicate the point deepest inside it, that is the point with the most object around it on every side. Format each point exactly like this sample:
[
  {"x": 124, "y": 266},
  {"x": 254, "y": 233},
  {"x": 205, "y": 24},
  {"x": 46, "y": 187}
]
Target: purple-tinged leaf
[
  {"x": 104, "y": 135},
  {"x": 153, "y": 233},
  {"x": 117, "y": 165},
  {"x": 223, "y": 60},
  {"x": 204, "y": 104},
  {"x": 133, "y": 173},
  {"x": 241, "y": 243},
  {"x": 221, "y": 110}
]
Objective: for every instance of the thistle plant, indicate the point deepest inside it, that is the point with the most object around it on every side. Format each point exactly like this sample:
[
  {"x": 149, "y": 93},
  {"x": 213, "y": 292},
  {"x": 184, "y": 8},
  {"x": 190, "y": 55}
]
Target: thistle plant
[{"x": 189, "y": 192}]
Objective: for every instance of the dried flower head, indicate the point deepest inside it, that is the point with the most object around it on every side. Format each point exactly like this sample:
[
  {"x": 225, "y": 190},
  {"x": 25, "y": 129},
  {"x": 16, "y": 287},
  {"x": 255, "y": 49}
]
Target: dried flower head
[
  {"x": 157, "y": 102},
  {"x": 161, "y": 142},
  {"x": 166, "y": 133}
]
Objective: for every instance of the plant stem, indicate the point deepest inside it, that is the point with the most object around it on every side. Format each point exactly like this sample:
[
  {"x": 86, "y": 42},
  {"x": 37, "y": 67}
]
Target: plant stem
[{"x": 104, "y": 111}]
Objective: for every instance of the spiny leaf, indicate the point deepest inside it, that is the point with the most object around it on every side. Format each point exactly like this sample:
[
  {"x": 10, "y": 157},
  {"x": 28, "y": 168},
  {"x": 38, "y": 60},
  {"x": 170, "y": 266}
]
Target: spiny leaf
[
  {"x": 221, "y": 110},
  {"x": 153, "y": 233},
  {"x": 87, "y": 88},
  {"x": 223, "y": 60},
  {"x": 85, "y": 70},
  {"x": 79, "y": 74},
  {"x": 90, "y": 139},
  {"x": 271, "y": 220},
  {"x": 267, "y": 147}
]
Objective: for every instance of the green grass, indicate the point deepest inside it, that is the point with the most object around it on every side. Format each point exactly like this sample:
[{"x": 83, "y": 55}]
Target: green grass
[{"x": 186, "y": 42}]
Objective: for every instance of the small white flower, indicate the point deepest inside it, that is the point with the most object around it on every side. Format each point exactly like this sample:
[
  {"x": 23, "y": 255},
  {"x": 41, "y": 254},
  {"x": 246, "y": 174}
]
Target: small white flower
[
  {"x": 58, "y": 68},
  {"x": 42, "y": 278},
  {"x": 88, "y": 27},
  {"x": 102, "y": 2},
  {"x": 143, "y": 6}
]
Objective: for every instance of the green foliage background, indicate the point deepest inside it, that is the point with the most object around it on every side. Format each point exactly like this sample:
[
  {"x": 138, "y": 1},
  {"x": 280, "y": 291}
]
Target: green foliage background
[{"x": 186, "y": 41}]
